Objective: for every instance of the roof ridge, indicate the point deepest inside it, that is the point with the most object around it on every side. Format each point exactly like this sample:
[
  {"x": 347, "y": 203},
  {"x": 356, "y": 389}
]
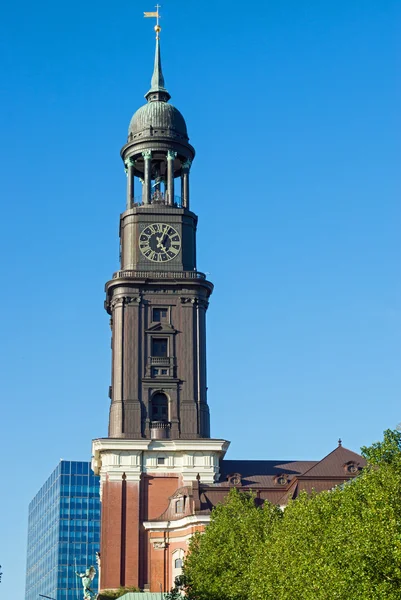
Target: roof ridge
[{"x": 337, "y": 449}]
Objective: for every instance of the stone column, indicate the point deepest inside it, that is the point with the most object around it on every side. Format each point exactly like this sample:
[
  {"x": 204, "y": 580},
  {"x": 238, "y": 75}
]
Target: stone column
[
  {"x": 116, "y": 419},
  {"x": 147, "y": 156},
  {"x": 129, "y": 169},
  {"x": 170, "y": 176},
  {"x": 185, "y": 183}
]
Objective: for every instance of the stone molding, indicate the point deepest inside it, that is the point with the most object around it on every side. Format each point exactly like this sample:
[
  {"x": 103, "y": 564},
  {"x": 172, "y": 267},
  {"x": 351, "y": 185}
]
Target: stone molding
[
  {"x": 124, "y": 300},
  {"x": 113, "y": 457},
  {"x": 196, "y": 301},
  {"x": 190, "y": 521},
  {"x": 159, "y": 545}
]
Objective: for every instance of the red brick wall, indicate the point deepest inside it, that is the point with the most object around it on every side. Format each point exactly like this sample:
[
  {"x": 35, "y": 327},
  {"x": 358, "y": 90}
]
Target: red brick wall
[
  {"x": 110, "y": 550},
  {"x": 127, "y": 554},
  {"x": 132, "y": 535},
  {"x": 159, "y": 489}
]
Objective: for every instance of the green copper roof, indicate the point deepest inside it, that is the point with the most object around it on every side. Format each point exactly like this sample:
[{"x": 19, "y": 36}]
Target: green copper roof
[
  {"x": 157, "y": 90},
  {"x": 157, "y": 115},
  {"x": 162, "y": 117}
]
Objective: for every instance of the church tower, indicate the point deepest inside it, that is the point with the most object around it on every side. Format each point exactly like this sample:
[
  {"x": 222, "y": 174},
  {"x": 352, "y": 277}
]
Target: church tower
[
  {"x": 158, "y": 444},
  {"x": 158, "y": 300}
]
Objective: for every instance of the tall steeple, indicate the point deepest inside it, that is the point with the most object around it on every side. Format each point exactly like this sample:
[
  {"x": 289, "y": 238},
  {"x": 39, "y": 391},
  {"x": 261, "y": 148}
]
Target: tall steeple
[
  {"x": 157, "y": 90},
  {"x": 157, "y": 298}
]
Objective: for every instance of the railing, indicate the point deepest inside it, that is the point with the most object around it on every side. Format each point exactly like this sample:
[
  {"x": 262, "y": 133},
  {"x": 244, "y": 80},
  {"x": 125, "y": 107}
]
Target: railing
[
  {"x": 158, "y": 198},
  {"x": 160, "y": 425},
  {"x": 161, "y": 360},
  {"x": 159, "y": 274}
]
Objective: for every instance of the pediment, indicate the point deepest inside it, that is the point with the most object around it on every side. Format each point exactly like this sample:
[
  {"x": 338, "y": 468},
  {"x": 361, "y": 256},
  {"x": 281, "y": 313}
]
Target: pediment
[
  {"x": 161, "y": 328},
  {"x": 182, "y": 491}
]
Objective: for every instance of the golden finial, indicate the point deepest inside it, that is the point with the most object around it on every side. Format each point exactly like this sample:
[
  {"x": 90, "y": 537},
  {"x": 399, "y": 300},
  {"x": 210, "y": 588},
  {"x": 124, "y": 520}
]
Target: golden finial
[{"x": 156, "y": 15}]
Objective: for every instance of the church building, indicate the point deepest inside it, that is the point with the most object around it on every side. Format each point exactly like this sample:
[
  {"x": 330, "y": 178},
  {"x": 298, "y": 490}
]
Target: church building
[{"x": 160, "y": 472}]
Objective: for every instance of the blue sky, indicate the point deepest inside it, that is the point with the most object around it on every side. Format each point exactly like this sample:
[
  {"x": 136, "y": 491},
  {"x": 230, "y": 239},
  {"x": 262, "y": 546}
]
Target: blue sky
[{"x": 293, "y": 108}]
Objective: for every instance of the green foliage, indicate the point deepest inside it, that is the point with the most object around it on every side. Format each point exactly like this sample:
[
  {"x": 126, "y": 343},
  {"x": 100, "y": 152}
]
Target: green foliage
[
  {"x": 218, "y": 565},
  {"x": 339, "y": 545},
  {"x": 174, "y": 593},
  {"x": 387, "y": 451},
  {"x": 112, "y": 594}
]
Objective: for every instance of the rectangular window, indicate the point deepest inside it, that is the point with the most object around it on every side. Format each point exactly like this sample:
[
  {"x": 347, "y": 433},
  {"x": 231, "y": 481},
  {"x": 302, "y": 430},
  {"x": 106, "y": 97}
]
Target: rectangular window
[
  {"x": 179, "y": 505},
  {"x": 160, "y": 460},
  {"x": 164, "y": 371},
  {"x": 155, "y": 372},
  {"x": 159, "y": 347},
  {"x": 159, "y": 315}
]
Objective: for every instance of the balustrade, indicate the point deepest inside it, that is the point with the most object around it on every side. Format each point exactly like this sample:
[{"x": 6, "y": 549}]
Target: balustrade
[
  {"x": 159, "y": 274},
  {"x": 158, "y": 198}
]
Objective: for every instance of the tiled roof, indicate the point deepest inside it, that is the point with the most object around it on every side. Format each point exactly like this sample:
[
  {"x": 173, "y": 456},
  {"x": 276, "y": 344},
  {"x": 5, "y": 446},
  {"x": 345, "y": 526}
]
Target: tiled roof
[
  {"x": 261, "y": 473},
  {"x": 262, "y": 477},
  {"x": 334, "y": 464}
]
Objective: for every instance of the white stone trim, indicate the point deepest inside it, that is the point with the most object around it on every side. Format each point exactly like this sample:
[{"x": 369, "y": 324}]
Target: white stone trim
[
  {"x": 154, "y": 526},
  {"x": 184, "y": 458},
  {"x": 200, "y": 444}
]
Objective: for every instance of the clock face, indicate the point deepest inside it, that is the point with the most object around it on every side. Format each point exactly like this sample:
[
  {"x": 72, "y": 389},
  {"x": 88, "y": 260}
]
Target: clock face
[{"x": 159, "y": 242}]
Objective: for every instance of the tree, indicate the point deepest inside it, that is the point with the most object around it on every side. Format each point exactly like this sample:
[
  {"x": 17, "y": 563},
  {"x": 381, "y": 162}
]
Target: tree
[
  {"x": 386, "y": 452},
  {"x": 218, "y": 565},
  {"x": 344, "y": 544}
]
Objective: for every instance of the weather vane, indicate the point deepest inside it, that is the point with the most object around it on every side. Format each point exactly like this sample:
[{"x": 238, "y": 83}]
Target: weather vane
[{"x": 155, "y": 14}]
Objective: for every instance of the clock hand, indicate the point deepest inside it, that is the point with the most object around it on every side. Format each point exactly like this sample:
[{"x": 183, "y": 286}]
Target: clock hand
[{"x": 160, "y": 242}]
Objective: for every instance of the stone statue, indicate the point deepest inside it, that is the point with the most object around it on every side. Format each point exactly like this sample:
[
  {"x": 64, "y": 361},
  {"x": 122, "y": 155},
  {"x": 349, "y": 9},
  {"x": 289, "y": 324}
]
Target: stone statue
[{"x": 87, "y": 579}]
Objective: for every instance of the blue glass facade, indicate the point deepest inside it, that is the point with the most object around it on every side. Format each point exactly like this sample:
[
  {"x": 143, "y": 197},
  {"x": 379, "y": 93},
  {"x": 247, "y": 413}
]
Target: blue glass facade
[{"x": 63, "y": 532}]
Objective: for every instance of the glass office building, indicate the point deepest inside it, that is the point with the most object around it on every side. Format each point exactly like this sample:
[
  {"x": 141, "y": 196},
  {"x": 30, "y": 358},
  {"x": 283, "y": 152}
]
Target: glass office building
[{"x": 63, "y": 532}]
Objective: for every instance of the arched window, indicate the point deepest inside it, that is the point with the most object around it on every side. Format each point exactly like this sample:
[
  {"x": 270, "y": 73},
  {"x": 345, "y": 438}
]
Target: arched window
[
  {"x": 179, "y": 505},
  {"x": 177, "y": 562},
  {"x": 159, "y": 407}
]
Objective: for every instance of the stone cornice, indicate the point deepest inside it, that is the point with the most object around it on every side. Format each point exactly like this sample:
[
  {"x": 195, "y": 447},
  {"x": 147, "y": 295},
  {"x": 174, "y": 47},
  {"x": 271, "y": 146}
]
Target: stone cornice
[
  {"x": 115, "y": 457},
  {"x": 200, "y": 445},
  {"x": 177, "y": 525}
]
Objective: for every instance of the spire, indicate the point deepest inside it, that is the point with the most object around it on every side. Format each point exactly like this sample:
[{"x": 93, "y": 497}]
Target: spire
[{"x": 157, "y": 90}]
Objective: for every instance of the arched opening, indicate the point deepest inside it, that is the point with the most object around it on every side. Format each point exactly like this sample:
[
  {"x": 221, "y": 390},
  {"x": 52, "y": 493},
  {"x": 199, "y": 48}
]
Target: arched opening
[
  {"x": 159, "y": 408},
  {"x": 177, "y": 562}
]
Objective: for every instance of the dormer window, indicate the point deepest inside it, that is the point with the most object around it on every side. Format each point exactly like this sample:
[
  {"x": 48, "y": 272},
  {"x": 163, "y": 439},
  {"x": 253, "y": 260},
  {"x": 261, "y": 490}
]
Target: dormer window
[
  {"x": 234, "y": 479},
  {"x": 351, "y": 467},
  {"x": 282, "y": 479},
  {"x": 179, "y": 506}
]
